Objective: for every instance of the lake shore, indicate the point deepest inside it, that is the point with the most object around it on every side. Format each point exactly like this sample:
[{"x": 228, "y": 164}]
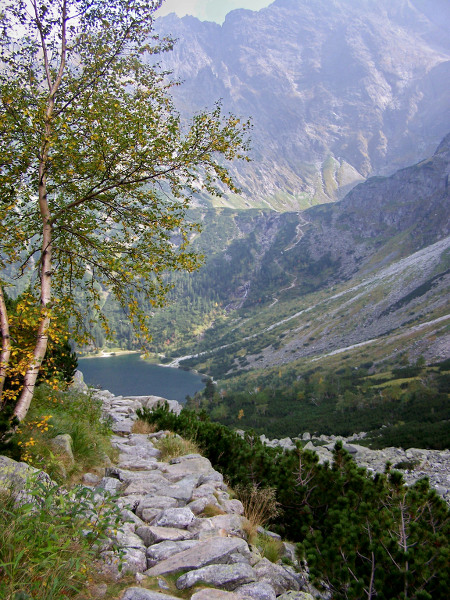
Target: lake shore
[{"x": 109, "y": 354}]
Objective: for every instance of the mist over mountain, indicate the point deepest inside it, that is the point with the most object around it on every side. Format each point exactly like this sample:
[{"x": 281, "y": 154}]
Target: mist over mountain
[{"x": 338, "y": 90}]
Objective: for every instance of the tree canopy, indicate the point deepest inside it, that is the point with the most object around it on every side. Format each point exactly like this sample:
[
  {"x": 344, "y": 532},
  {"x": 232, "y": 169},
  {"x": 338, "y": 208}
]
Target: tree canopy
[{"x": 97, "y": 168}]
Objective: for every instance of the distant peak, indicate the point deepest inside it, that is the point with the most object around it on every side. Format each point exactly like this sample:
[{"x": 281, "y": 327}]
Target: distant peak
[{"x": 444, "y": 146}]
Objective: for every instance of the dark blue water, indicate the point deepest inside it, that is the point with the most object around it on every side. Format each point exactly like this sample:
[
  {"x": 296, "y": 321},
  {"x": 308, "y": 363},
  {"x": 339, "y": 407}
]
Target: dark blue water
[{"x": 128, "y": 374}]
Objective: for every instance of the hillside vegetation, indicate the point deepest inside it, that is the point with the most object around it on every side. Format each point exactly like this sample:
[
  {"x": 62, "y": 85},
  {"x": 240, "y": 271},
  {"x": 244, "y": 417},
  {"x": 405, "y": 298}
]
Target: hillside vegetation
[{"x": 407, "y": 406}]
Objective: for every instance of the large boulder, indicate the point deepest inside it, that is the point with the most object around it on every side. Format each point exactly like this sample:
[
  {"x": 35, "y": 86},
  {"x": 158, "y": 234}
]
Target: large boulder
[
  {"x": 14, "y": 475},
  {"x": 216, "y": 550},
  {"x": 211, "y": 594},
  {"x": 63, "y": 445},
  {"x": 131, "y": 561},
  {"x": 153, "y": 535},
  {"x": 158, "y": 552},
  {"x": 17, "y": 476},
  {"x": 276, "y": 576},
  {"x": 295, "y": 596},
  {"x": 256, "y": 591},
  {"x": 182, "y": 490},
  {"x": 152, "y": 505},
  {"x": 223, "y": 576},
  {"x": 137, "y": 593},
  {"x": 181, "y": 518}
]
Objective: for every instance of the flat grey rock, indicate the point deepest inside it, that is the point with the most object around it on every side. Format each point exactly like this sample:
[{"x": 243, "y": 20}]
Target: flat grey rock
[
  {"x": 213, "y": 551},
  {"x": 130, "y": 502},
  {"x": 154, "y": 401},
  {"x": 276, "y": 576},
  {"x": 295, "y": 596},
  {"x": 180, "y": 518},
  {"x": 122, "y": 426},
  {"x": 212, "y": 594},
  {"x": 233, "y": 507},
  {"x": 153, "y": 535},
  {"x": 149, "y": 514},
  {"x": 127, "y": 539},
  {"x": 191, "y": 463},
  {"x": 91, "y": 479},
  {"x": 237, "y": 557},
  {"x": 63, "y": 443},
  {"x": 181, "y": 490},
  {"x": 204, "y": 490},
  {"x": 110, "y": 484},
  {"x": 230, "y": 524},
  {"x": 198, "y": 506},
  {"x": 146, "y": 452},
  {"x": 152, "y": 482},
  {"x": 138, "y": 464},
  {"x": 270, "y": 534},
  {"x": 128, "y": 475},
  {"x": 212, "y": 477},
  {"x": 158, "y": 552},
  {"x": 133, "y": 560},
  {"x": 256, "y": 591},
  {"x": 156, "y": 503},
  {"x": 14, "y": 474},
  {"x": 129, "y": 517},
  {"x": 226, "y": 576},
  {"x": 137, "y": 593}
]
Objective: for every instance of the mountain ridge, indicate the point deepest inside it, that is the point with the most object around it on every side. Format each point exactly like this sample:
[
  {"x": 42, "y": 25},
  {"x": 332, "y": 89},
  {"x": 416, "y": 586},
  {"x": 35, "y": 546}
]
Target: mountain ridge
[{"x": 337, "y": 92}]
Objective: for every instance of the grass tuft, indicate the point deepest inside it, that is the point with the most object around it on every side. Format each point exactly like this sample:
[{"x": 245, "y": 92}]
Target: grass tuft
[
  {"x": 172, "y": 446},
  {"x": 141, "y": 426},
  {"x": 260, "y": 506},
  {"x": 212, "y": 510},
  {"x": 269, "y": 547}
]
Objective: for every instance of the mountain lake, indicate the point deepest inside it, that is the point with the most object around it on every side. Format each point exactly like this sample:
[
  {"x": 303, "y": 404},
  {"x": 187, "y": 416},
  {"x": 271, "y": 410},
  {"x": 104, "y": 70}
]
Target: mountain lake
[{"x": 129, "y": 374}]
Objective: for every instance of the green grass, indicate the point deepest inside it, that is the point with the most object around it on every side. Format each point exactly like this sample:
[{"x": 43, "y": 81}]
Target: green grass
[
  {"x": 50, "y": 542},
  {"x": 396, "y": 382},
  {"x": 172, "y": 446},
  {"x": 269, "y": 547},
  {"x": 54, "y": 413}
]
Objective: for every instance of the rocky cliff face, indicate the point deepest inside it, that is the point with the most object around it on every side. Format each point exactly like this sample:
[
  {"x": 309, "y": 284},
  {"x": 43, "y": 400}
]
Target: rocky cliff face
[
  {"x": 411, "y": 206},
  {"x": 338, "y": 90}
]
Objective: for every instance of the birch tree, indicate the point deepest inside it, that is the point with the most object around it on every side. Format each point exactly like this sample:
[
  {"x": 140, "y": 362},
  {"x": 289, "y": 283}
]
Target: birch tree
[{"x": 96, "y": 166}]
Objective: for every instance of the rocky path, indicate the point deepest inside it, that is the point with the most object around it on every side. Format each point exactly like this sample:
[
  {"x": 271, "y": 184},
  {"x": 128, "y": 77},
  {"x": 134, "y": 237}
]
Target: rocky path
[{"x": 165, "y": 531}]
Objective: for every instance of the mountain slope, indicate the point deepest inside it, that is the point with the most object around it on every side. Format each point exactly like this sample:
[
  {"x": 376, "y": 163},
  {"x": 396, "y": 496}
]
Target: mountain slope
[
  {"x": 375, "y": 265},
  {"x": 337, "y": 90}
]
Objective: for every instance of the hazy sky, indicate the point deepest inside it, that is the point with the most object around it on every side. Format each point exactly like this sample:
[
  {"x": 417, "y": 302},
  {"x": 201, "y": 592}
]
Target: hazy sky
[{"x": 208, "y": 10}]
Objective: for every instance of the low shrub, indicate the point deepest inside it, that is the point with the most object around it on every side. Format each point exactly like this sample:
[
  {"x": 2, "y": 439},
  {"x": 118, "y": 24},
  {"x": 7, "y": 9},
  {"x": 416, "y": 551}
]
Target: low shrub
[
  {"x": 212, "y": 510},
  {"x": 406, "y": 465},
  {"x": 346, "y": 522},
  {"x": 260, "y": 506}
]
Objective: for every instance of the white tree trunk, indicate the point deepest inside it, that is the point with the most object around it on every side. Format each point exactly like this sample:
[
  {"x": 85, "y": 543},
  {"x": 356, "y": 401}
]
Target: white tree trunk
[{"x": 6, "y": 345}]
